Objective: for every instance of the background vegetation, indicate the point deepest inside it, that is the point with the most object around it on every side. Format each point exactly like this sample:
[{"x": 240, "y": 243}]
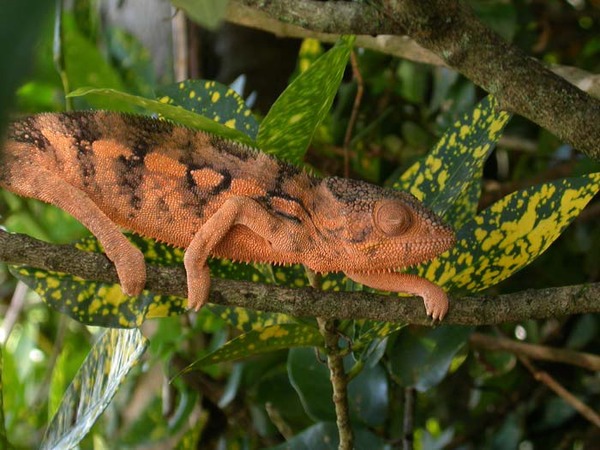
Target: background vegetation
[{"x": 448, "y": 387}]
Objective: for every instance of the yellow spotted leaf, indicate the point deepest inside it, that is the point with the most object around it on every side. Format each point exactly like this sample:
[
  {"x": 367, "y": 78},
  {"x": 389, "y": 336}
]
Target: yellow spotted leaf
[
  {"x": 170, "y": 112},
  {"x": 445, "y": 176},
  {"x": 96, "y": 303},
  {"x": 213, "y": 100},
  {"x": 94, "y": 385},
  {"x": 249, "y": 320},
  {"x": 271, "y": 338},
  {"x": 510, "y": 234},
  {"x": 291, "y": 122}
]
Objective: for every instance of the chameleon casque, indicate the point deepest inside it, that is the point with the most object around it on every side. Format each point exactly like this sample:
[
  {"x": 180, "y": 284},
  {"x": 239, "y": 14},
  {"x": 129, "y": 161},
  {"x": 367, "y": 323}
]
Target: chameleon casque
[{"x": 217, "y": 197}]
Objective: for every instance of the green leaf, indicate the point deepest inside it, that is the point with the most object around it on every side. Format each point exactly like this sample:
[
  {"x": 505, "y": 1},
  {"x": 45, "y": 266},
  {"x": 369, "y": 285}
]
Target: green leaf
[
  {"x": 291, "y": 122},
  {"x": 247, "y": 320},
  {"x": 421, "y": 358},
  {"x": 368, "y": 396},
  {"x": 208, "y": 13},
  {"x": 456, "y": 160},
  {"x": 174, "y": 113},
  {"x": 367, "y": 393},
  {"x": 371, "y": 330},
  {"x": 20, "y": 25},
  {"x": 104, "y": 304},
  {"x": 86, "y": 66},
  {"x": 133, "y": 61},
  {"x": 310, "y": 50},
  {"x": 511, "y": 233},
  {"x": 271, "y": 338},
  {"x": 324, "y": 436},
  {"x": 92, "y": 389},
  {"x": 212, "y": 100},
  {"x": 310, "y": 379}
]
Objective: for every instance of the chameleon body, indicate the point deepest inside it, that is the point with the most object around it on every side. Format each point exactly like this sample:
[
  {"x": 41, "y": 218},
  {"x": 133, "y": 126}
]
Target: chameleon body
[{"x": 215, "y": 197}]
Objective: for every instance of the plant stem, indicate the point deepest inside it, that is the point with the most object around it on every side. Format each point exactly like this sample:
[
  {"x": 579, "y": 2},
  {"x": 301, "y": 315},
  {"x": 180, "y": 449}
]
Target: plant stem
[{"x": 339, "y": 382}]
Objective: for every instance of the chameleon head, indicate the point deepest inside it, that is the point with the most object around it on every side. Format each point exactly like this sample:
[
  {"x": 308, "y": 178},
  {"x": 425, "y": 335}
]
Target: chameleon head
[{"x": 381, "y": 229}]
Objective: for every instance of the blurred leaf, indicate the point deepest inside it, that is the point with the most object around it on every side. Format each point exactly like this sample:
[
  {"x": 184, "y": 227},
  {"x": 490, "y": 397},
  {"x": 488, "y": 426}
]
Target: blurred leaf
[
  {"x": 367, "y": 392},
  {"x": 368, "y": 396},
  {"x": 92, "y": 389},
  {"x": 291, "y": 122},
  {"x": 152, "y": 425},
  {"x": 421, "y": 358},
  {"x": 310, "y": 379},
  {"x": 275, "y": 389},
  {"x": 509, "y": 435},
  {"x": 499, "y": 16},
  {"x": 86, "y": 66},
  {"x": 174, "y": 113},
  {"x": 511, "y": 233},
  {"x": 132, "y": 60},
  {"x": 212, "y": 100},
  {"x": 324, "y": 436},
  {"x": 414, "y": 80},
  {"x": 456, "y": 160},
  {"x": 208, "y": 13},
  {"x": 310, "y": 50},
  {"x": 20, "y": 25},
  {"x": 191, "y": 439},
  {"x": 443, "y": 79}
]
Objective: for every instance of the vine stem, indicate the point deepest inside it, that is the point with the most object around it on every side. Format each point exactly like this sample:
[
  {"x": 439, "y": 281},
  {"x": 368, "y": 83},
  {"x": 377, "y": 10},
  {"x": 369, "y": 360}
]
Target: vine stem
[{"x": 339, "y": 382}]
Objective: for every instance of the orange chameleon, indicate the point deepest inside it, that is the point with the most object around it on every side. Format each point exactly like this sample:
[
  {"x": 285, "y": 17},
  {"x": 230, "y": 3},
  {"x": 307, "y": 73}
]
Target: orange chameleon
[{"x": 215, "y": 197}]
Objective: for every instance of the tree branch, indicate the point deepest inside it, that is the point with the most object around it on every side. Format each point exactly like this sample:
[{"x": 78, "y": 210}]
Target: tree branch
[
  {"x": 400, "y": 46},
  {"x": 586, "y": 360},
  {"x": 450, "y": 30},
  {"x": 339, "y": 382},
  {"x": 20, "y": 249}
]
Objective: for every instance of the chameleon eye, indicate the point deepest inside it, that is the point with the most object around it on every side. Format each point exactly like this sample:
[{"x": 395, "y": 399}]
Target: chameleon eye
[{"x": 392, "y": 217}]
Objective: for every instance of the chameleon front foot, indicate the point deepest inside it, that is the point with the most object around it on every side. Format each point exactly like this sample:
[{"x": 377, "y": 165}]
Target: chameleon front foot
[
  {"x": 198, "y": 285},
  {"x": 131, "y": 269},
  {"x": 434, "y": 298},
  {"x": 436, "y": 303}
]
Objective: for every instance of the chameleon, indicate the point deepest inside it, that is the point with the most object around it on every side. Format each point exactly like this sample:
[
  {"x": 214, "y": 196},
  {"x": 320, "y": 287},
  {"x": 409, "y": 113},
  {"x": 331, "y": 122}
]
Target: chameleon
[{"x": 216, "y": 197}]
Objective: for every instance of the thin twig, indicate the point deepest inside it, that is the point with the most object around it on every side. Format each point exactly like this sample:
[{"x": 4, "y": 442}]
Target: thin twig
[
  {"x": 585, "y": 360},
  {"x": 354, "y": 115},
  {"x": 180, "y": 46},
  {"x": 276, "y": 418},
  {"x": 555, "y": 386},
  {"x": 339, "y": 382},
  {"x": 17, "y": 303},
  {"x": 58, "y": 54},
  {"x": 408, "y": 435}
]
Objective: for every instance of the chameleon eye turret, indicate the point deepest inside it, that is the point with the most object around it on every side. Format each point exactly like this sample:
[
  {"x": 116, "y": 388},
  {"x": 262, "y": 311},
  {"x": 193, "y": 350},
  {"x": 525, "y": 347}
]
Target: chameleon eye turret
[{"x": 392, "y": 217}]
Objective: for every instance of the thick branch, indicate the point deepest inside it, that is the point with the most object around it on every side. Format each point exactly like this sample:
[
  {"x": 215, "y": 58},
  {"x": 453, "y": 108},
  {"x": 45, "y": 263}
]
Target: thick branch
[
  {"x": 449, "y": 29},
  {"x": 400, "y": 46},
  {"x": 533, "y": 304}
]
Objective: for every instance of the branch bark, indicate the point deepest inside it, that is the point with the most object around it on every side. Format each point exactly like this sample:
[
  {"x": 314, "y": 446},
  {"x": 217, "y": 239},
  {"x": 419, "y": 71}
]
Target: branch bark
[
  {"x": 20, "y": 249},
  {"x": 450, "y": 30},
  {"x": 566, "y": 356}
]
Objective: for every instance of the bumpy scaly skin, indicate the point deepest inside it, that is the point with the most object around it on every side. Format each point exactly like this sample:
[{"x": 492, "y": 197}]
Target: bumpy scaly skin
[{"x": 215, "y": 197}]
